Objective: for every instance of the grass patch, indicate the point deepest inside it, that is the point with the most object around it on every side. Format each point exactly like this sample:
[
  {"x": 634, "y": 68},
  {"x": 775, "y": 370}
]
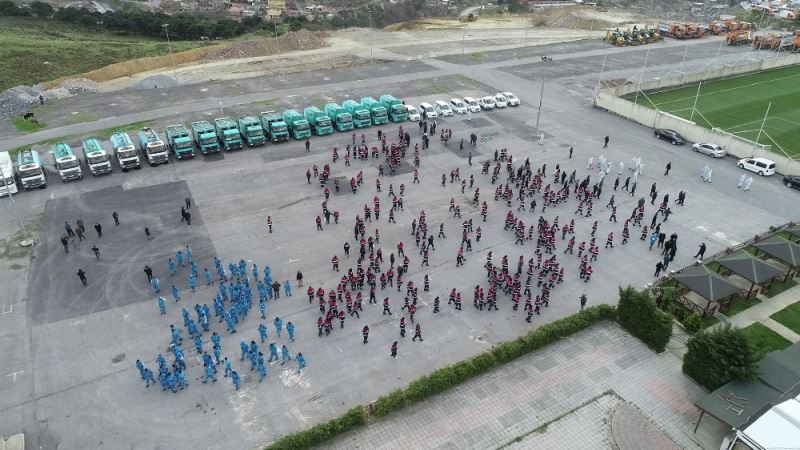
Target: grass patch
[
  {"x": 778, "y": 287},
  {"x": 34, "y": 51},
  {"x": 738, "y": 105},
  {"x": 789, "y": 317},
  {"x": 81, "y": 117},
  {"x": 267, "y": 102},
  {"x": 739, "y": 304},
  {"x": 129, "y": 128},
  {"x": 477, "y": 57},
  {"x": 26, "y": 126},
  {"x": 765, "y": 340}
]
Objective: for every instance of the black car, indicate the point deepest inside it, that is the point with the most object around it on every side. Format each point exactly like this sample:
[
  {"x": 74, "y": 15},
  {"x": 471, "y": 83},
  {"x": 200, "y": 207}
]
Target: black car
[
  {"x": 670, "y": 135},
  {"x": 792, "y": 181}
]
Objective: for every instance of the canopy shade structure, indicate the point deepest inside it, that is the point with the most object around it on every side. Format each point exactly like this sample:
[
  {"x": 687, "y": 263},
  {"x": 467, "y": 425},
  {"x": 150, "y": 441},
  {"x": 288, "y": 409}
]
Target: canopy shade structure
[
  {"x": 749, "y": 267},
  {"x": 752, "y": 269},
  {"x": 765, "y": 411},
  {"x": 779, "y": 248},
  {"x": 706, "y": 283},
  {"x": 783, "y": 250}
]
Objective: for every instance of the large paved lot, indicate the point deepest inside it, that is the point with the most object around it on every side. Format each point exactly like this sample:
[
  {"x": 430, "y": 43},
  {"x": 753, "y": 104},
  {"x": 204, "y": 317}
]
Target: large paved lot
[{"x": 68, "y": 352}]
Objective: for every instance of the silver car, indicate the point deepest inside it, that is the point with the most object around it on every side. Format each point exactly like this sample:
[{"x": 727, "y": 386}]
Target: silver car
[{"x": 712, "y": 150}]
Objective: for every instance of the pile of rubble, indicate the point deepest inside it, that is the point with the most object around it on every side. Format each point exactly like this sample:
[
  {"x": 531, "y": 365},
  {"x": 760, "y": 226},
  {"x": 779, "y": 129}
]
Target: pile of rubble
[
  {"x": 15, "y": 102},
  {"x": 296, "y": 40}
]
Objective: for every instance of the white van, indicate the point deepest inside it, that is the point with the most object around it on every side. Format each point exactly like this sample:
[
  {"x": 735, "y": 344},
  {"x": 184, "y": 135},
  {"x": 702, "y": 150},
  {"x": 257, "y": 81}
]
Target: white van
[
  {"x": 472, "y": 104},
  {"x": 427, "y": 111},
  {"x": 761, "y": 166},
  {"x": 443, "y": 108}
]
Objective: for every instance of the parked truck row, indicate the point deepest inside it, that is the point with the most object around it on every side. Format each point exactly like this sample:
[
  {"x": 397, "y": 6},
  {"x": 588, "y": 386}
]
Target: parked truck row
[{"x": 223, "y": 134}]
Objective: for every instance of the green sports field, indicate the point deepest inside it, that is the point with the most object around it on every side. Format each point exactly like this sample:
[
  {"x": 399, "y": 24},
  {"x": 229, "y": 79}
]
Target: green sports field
[{"x": 738, "y": 106}]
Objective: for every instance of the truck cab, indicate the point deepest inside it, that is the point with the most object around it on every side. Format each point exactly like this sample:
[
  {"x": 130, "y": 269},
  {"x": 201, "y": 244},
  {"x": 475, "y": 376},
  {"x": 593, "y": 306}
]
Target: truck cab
[
  {"x": 125, "y": 151},
  {"x": 228, "y": 133},
  {"x": 96, "y": 157},
  {"x": 67, "y": 164},
  {"x": 251, "y": 131},
  {"x": 361, "y": 116},
  {"x": 8, "y": 182},
  {"x": 274, "y": 126},
  {"x": 153, "y": 147},
  {"x": 320, "y": 123},
  {"x": 205, "y": 137},
  {"x": 298, "y": 125},
  {"x": 396, "y": 109},
  {"x": 180, "y": 141},
  {"x": 378, "y": 112},
  {"x": 342, "y": 120},
  {"x": 30, "y": 170}
]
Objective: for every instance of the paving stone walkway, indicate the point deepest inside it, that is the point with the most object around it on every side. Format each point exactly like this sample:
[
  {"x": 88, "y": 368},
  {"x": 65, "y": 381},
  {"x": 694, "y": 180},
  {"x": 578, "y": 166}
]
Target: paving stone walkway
[
  {"x": 507, "y": 404},
  {"x": 768, "y": 306}
]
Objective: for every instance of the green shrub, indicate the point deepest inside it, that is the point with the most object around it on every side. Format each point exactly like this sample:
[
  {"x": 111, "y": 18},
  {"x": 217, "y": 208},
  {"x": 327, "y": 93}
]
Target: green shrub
[
  {"x": 693, "y": 322},
  {"x": 322, "y": 432},
  {"x": 390, "y": 402},
  {"x": 637, "y": 313},
  {"x": 715, "y": 357}
]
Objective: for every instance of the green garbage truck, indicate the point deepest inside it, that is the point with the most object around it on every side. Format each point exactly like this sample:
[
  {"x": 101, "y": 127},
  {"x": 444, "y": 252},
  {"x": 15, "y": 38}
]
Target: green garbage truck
[
  {"x": 396, "y": 109},
  {"x": 205, "y": 137},
  {"x": 251, "y": 131},
  {"x": 361, "y": 116},
  {"x": 319, "y": 121},
  {"x": 378, "y": 112},
  {"x": 228, "y": 133},
  {"x": 96, "y": 157},
  {"x": 298, "y": 125},
  {"x": 179, "y": 141},
  {"x": 274, "y": 126},
  {"x": 342, "y": 120}
]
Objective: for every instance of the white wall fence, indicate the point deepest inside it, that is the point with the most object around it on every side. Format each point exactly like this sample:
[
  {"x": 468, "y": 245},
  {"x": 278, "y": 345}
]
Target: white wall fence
[{"x": 610, "y": 99}]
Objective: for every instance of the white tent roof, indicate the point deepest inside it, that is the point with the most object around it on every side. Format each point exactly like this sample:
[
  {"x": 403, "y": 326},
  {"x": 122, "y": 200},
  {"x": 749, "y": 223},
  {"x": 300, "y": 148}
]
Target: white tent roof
[{"x": 778, "y": 428}]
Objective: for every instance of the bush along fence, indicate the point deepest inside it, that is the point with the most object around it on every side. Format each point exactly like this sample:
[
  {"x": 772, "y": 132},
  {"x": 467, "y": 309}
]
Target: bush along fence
[{"x": 446, "y": 378}]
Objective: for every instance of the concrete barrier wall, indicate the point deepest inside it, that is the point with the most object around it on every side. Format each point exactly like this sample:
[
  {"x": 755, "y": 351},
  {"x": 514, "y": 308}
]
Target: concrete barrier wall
[
  {"x": 610, "y": 100},
  {"x": 651, "y": 118}
]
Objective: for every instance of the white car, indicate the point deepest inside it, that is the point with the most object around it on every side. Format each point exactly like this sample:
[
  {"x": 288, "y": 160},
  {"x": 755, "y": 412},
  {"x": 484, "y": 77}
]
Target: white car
[
  {"x": 707, "y": 148},
  {"x": 443, "y": 108},
  {"x": 427, "y": 111},
  {"x": 512, "y": 99},
  {"x": 761, "y": 166},
  {"x": 458, "y": 106},
  {"x": 413, "y": 113},
  {"x": 487, "y": 102},
  {"x": 500, "y": 100},
  {"x": 472, "y": 104}
]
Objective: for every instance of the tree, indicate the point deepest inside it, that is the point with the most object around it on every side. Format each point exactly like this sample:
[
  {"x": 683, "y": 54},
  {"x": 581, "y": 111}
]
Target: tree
[
  {"x": 10, "y": 9},
  {"x": 41, "y": 10},
  {"x": 720, "y": 355},
  {"x": 637, "y": 313}
]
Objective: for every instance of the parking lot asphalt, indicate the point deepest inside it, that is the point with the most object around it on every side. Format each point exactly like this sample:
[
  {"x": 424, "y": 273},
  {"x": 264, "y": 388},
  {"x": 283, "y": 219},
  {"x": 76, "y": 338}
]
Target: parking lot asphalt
[{"x": 69, "y": 352}]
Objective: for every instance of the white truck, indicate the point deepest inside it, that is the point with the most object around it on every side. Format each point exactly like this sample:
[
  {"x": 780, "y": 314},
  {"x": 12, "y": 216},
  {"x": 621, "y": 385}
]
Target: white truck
[
  {"x": 153, "y": 147},
  {"x": 30, "y": 170},
  {"x": 8, "y": 183}
]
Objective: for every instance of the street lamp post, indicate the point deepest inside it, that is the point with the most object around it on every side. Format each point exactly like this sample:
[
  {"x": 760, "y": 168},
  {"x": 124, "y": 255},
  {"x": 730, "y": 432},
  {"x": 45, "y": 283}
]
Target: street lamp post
[
  {"x": 275, "y": 26},
  {"x": 539, "y": 112},
  {"x": 371, "y": 38},
  {"x": 165, "y": 26},
  {"x": 26, "y": 240}
]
